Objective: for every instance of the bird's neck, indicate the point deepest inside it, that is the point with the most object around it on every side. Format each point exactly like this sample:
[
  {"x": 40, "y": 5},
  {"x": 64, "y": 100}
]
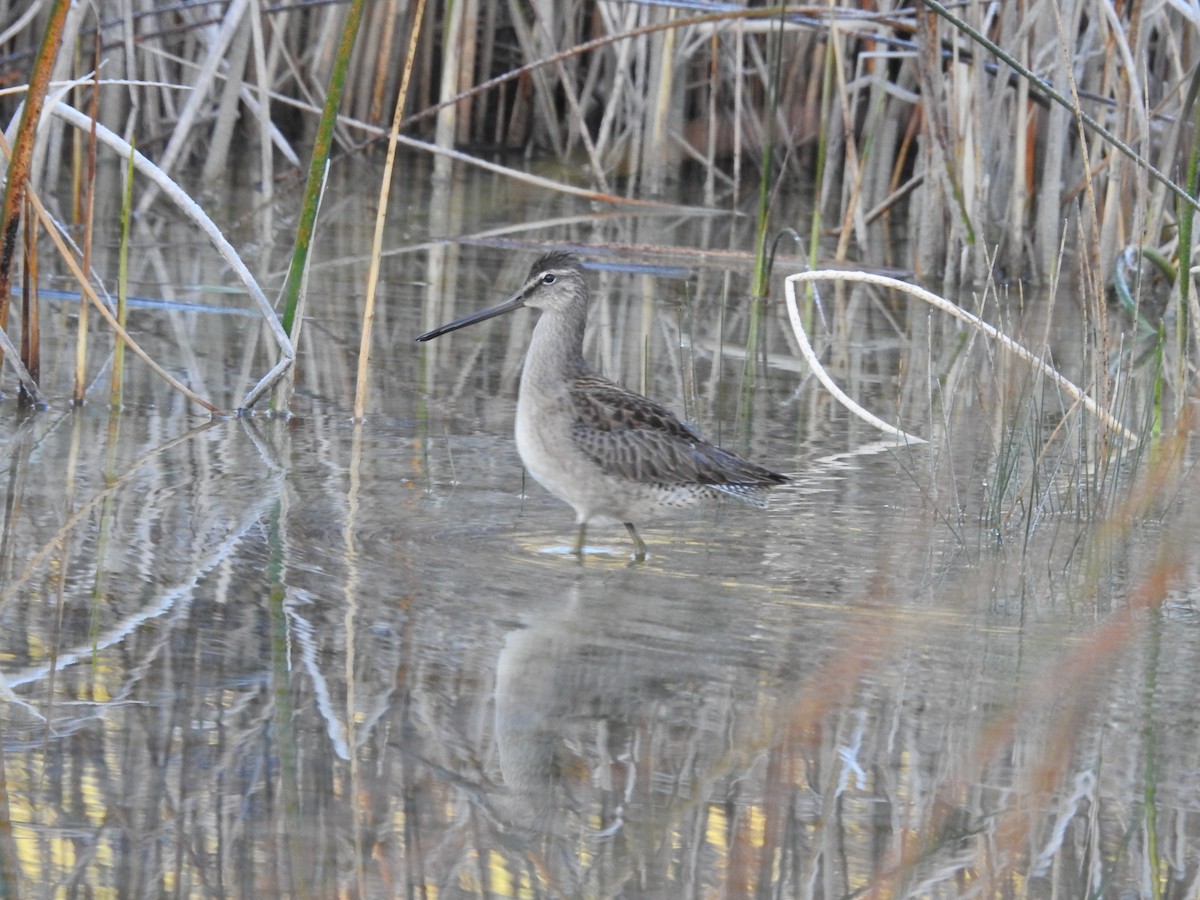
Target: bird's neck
[{"x": 556, "y": 350}]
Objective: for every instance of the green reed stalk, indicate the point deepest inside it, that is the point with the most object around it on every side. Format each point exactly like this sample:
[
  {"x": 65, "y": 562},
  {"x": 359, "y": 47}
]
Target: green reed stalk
[
  {"x": 761, "y": 278},
  {"x": 88, "y": 216},
  {"x": 1156, "y": 420},
  {"x": 758, "y": 288},
  {"x": 814, "y": 237},
  {"x": 1187, "y": 217},
  {"x": 116, "y": 394},
  {"x": 317, "y": 165}
]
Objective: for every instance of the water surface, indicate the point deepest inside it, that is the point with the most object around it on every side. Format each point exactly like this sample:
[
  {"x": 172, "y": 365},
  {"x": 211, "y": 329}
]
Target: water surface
[{"x": 311, "y": 657}]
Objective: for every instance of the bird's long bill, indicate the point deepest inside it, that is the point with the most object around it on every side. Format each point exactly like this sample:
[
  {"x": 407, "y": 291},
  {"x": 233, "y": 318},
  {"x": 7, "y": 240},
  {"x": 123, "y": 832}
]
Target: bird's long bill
[{"x": 516, "y": 301}]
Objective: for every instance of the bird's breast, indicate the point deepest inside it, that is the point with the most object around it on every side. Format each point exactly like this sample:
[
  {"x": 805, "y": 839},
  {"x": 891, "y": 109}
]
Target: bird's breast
[{"x": 543, "y": 430}]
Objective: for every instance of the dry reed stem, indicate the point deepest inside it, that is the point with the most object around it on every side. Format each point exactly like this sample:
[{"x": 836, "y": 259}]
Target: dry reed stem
[
  {"x": 945, "y": 306},
  {"x": 198, "y": 95},
  {"x": 543, "y": 90},
  {"x": 1050, "y": 92},
  {"x": 447, "y": 117},
  {"x": 262, "y": 109},
  {"x": 86, "y": 287},
  {"x": 21, "y": 157},
  {"x": 30, "y": 319},
  {"x": 199, "y": 217},
  {"x": 19, "y": 25},
  {"x": 228, "y": 112},
  {"x": 364, "y": 346},
  {"x": 80, "y": 121},
  {"x": 538, "y": 180},
  {"x": 187, "y": 205}
]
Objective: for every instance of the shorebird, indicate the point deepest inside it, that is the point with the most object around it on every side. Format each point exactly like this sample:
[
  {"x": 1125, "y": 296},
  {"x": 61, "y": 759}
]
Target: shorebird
[{"x": 612, "y": 454}]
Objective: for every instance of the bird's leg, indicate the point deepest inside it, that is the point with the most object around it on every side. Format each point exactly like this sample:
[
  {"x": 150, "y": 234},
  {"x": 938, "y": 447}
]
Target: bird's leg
[
  {"x": 639, "y": 546},
  {"x": 578, "y": 548}
]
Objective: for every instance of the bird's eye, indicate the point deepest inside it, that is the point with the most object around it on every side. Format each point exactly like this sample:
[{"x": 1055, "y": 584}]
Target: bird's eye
[{"x": 549, "y": 278}]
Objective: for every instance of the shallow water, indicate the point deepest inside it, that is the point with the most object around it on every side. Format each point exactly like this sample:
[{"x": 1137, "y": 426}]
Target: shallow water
[{"x": 310, "y": 657}]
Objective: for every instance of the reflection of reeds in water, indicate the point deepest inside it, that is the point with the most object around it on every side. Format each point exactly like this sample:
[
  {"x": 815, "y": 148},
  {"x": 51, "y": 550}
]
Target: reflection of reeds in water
[{"x": 862, "y": 713}]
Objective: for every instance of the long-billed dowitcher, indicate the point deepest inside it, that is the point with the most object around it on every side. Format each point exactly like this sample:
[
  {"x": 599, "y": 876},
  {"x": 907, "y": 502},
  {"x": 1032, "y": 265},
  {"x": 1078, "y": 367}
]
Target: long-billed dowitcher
[{"x": 614, "y": 455}]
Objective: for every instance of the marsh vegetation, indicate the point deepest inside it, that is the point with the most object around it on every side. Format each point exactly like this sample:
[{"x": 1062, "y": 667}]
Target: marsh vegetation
[{"x": 277, "y": 615}]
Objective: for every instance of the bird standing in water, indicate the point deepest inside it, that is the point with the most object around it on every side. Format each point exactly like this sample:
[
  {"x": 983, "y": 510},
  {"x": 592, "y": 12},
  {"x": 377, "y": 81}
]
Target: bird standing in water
[{"x": 612, "y": 454}]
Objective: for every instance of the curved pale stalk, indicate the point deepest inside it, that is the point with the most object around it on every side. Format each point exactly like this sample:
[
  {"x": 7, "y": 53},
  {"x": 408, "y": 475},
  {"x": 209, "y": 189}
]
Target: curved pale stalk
[
  {"x": 189, "y": 206},
  {"x": 193, "y": 211},
  {"x": 945, "y": 306}
]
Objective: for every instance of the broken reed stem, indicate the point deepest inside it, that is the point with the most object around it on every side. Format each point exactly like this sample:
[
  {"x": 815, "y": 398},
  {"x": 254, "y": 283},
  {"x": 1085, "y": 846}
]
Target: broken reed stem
[{"x": 85, "y": 286}]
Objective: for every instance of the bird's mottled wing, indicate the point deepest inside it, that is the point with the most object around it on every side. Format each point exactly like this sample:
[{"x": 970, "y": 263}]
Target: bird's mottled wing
[{"x": 635, "y": 438}]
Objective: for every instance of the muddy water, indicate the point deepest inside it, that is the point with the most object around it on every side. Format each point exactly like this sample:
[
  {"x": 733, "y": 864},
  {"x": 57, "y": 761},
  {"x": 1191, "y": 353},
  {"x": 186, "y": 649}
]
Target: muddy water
[{"x": 314, "y": 657}]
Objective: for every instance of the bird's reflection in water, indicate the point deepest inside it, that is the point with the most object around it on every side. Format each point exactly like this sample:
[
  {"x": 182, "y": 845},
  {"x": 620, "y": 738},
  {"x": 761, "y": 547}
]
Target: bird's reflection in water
[{"x": 611, "y": 716}]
